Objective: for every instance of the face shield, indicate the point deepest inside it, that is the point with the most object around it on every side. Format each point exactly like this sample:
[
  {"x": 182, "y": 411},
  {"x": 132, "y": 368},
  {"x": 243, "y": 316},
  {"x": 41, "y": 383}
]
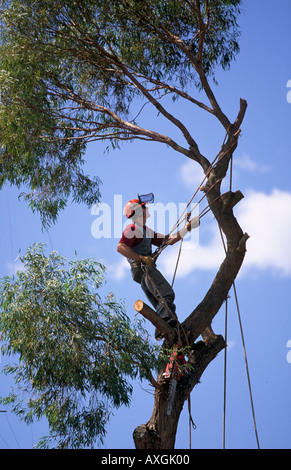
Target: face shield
[{"x": 146, "y": 198}]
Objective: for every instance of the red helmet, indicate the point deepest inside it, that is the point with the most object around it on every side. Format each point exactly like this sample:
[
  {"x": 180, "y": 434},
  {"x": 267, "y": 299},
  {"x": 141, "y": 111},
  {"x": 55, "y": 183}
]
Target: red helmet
[{"x": 132, "y": 206}]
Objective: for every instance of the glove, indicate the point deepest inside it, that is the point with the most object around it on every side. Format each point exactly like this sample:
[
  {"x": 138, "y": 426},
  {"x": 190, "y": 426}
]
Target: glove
[
  {"x": 193, "y": 223},
  {"x": 147, "y": 260}
]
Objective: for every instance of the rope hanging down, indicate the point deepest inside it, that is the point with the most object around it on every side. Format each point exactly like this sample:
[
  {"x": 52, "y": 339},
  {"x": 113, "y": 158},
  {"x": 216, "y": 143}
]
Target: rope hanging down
[
  {"x": 204, "y": 211},
  {"x": 158, "y": 252},
  {"x": 243, "y": 343},
  {"x": 246, "y": 363}
]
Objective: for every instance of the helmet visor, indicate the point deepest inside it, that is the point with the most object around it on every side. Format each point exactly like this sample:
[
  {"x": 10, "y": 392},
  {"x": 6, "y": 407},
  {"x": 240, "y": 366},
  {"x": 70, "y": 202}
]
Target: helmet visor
[{"x": 146, "y": 198}]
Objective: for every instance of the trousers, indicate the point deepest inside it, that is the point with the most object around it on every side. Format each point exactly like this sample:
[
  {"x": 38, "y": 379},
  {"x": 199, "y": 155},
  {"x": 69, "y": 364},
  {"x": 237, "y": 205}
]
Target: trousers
[{"x": 159, "y": 293}]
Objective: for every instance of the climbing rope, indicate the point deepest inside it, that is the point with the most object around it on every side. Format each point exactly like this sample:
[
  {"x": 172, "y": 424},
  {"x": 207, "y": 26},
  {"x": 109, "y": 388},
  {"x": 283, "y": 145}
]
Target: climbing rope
[
  {"x": 243, "y": 343},
  {"x": 204, "y": 211},
  {"x": 224, "y": 374},
  {"x": 246, "y": 363},
  {"x": 226, "y": 335},
  {"x": 211, "y": 167},
  {"x": 158, "y": 252},
  {"x": 247, "y": 367},
  {"x": 208, "y": 207}
]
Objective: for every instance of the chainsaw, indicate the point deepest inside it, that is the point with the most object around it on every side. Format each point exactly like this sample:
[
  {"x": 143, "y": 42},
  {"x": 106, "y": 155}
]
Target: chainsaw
[{"x": 175, "y": 370}]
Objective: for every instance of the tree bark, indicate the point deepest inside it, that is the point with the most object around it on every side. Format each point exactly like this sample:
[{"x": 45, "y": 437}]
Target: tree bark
[
  {"x": 156, "y": 320},
  {"x": 160, "y": 431}
]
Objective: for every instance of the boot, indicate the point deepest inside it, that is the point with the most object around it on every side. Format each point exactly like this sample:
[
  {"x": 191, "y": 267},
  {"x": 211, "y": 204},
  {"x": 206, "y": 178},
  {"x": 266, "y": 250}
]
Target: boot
[{"x": 172, "y": 322}]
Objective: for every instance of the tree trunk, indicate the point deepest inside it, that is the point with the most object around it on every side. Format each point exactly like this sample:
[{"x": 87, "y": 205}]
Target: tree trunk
[{"x": 160, "y": 431}]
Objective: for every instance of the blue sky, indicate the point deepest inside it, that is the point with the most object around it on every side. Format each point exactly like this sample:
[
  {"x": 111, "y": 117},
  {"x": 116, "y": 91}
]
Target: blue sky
[{"x": 262, "y": 172}]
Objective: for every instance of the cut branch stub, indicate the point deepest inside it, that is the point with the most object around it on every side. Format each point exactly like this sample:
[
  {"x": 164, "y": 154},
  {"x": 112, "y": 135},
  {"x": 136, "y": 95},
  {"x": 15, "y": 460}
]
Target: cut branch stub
[{"x": 155, "y": 319}]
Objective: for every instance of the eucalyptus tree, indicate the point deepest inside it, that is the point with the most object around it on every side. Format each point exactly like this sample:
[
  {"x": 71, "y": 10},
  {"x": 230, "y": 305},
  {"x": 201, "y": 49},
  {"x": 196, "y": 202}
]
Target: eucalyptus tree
[
  {"x": 78, "y": 350},
  {"x": 74, "y": 72}
]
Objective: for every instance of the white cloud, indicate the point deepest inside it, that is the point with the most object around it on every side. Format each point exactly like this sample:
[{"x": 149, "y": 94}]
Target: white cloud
[
  {"x": 191, "y": 174},
  {"x": 265, "y": 217},
  {"x": 244, "y": 162},
  {"x": 194, "y": 257},
  {"x": 119, "y": 270}
]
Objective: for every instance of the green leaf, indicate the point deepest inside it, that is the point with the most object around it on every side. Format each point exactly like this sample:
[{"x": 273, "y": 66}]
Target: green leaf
[
  {"x": 68, "y": 72},
  {"x": 77, "y": 348}
]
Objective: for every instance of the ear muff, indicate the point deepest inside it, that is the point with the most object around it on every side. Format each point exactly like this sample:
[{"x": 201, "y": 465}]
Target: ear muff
[{"x": 133, "y": 208}]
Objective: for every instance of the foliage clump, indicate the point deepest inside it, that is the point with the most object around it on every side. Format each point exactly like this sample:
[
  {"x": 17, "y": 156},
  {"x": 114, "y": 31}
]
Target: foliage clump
[
  {"x": 77, "y": 351},
  {"x": 73, "y": 72}
]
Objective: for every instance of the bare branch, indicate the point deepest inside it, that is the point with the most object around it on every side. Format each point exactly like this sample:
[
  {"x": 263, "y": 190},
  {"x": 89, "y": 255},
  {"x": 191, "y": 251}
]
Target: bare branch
[
  {"x": 159, "y": 107},
  {"x": 215, "y": 106},
  {"x": 176, "y": 90},
  {"x": 112, "y": 58},
  {"x": 241, "y": 114}
]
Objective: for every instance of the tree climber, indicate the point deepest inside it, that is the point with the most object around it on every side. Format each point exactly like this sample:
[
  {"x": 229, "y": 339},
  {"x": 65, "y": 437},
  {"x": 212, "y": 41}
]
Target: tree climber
[{"x": 136, "y": 245}]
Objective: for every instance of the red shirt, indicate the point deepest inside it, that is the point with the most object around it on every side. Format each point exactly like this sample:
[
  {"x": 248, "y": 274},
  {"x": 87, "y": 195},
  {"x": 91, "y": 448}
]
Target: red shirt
[{"x": 132, "y": 235}]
